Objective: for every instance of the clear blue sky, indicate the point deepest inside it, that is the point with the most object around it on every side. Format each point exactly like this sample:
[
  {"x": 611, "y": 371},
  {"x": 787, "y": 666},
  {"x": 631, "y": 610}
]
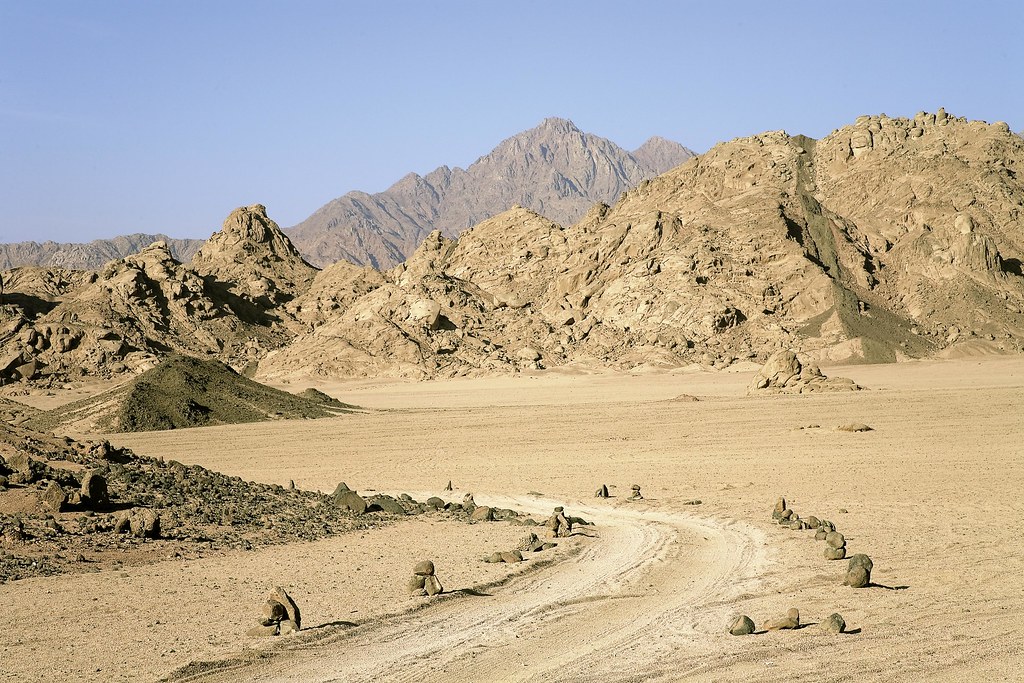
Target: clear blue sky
[{"x": 139, "y": 116}]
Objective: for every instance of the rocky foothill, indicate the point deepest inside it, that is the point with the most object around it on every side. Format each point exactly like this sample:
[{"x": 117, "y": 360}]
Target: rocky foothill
[
  {"x": 890, "y": 239},
  {"x": 70, "y": 505}
]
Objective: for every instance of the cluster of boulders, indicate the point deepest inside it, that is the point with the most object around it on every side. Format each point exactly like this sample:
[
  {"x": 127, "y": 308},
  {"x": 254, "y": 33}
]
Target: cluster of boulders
[
  {"x": 280, "y": 617},
  {"x": 784, "y": 373},
  {"x": 424, "y": 581},
  {"x": 529, "y": 544},
  {"x": 743, "y": 625}
]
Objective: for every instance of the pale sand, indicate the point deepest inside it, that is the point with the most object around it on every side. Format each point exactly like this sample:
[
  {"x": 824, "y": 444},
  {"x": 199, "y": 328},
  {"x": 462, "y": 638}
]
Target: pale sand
[{"x": 933, "y": 496}]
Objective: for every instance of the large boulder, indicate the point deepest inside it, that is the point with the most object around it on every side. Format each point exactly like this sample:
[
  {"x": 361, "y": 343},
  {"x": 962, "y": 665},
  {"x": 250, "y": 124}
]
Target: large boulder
[{"x": 785, "y": 373}]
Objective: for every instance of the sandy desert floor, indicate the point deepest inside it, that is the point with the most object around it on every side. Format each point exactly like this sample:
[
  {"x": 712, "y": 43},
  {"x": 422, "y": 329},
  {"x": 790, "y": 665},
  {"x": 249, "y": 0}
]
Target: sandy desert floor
[{"x": 933, "y": 495}]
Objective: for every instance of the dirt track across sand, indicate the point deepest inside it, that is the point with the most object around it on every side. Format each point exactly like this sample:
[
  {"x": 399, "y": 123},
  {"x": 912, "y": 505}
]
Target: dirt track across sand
[{"x": 931, "y": 494}]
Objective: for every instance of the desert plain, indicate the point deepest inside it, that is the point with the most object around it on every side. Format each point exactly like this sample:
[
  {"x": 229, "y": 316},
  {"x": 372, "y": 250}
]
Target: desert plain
[{"x": 645, "y": 593}]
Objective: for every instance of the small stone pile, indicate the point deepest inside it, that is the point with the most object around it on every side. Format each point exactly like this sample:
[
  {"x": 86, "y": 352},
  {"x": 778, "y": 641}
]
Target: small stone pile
[
  {"x": 636, "y": 493},
  {"x": 280, "y": 617},
  {"x": 602, "y": 492},
  {"x": 559, "y": 523},
  {"x": 423, "y": 581},
  {"x": 529, "y": 544},
  {"x": 835, "y": 546}
]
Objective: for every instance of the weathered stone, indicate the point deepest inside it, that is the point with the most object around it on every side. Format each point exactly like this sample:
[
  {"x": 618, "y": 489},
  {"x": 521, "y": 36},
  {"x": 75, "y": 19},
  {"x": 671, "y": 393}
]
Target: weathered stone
[
  {"x": 854, "y": 427},
  {"x": 835, "y": 623},
  {"x": 433, "y": 586},
  {"x": 742, "y": 626},
  {"x": 780, "y": 507},
  {"x": 449, "y": 486},
  {"x": 512, "y": 557},
  {"x": 858, "y": 571},
  {"x": 416, "y": 583},
  {"x": 352, "y": 501},
  {"x": 835, "y": 539},
  {"x": 834, "y": 553},
  {"x": 20, "y": 461},
  {"x": 602, "y": 492},
  {"x": 482, "y": 514},
  {"x": 261, "y": 630},
  {"x": 636, "y": 495},
  {"x": 786, "y": 515},
  {"x": 144, "y": 523},
  {"x": 288, "y": 627},
  {"x": 281, "y": 595},
  {"x": 435, "y": 502},
  {"x": 273, "y": 612},
  {"x": 527, "y": 542},
  {"x": 53, "y": 497},
  {"x": 813, "y": 522},
  {"x": 790, "y": 621},
  {"x": 493, "y": 558},
  {"x": 424, "y": 568},
  {"x": 820, "y": 535},
  {"x": 94, "y": 490}
]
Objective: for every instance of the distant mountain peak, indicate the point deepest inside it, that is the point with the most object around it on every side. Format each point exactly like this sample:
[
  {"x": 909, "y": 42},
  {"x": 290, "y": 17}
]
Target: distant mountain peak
[{"x": 554, "y": 169}]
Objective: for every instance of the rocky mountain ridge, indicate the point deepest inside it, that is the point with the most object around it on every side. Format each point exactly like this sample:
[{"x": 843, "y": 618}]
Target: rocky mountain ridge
[
  {"x": 890, "y": 239},
  {"x": 91, "y": 255},
  {"x": 554, "y": 169}
]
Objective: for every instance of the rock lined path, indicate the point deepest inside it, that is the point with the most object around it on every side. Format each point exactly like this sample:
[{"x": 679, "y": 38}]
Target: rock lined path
[{"x": 646, "y": 582}]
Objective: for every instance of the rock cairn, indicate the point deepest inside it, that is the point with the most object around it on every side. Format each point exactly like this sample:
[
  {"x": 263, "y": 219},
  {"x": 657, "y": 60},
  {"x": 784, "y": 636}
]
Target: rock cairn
[
  {"x": 835, "y": 546},
  {"x": 280, "y": 616},
  {"x": 559, "y": 523},
  {"x": 424, "y": 581}
]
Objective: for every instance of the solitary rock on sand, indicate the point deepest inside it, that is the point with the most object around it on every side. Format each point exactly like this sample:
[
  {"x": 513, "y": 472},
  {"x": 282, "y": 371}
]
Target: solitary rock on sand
[
  {"x": 602, "y": 492},
  {"x": 280, "y": 615},
  {"x": 858, "y": 571},
  {"x": 636, "y": 493},
  {"x": 791, "y": 620},
  {"x": 835, "y": 623},
  {"x": 742, "y": 626}
]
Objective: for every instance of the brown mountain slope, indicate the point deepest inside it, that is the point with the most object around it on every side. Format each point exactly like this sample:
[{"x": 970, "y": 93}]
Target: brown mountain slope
[
  {"x": 888, "y": 239},
  {"x": 554, "y": 169}
]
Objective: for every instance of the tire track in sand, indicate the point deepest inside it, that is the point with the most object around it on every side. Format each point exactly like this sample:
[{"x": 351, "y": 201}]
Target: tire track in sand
[{"x": 649, "y": 583}]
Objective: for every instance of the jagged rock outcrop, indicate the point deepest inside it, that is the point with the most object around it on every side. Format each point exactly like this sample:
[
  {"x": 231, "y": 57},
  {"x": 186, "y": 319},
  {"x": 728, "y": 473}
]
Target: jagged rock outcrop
[
  {"x": 764, "y": 243},
  {"x": 141, "y": 308},
  {"x": 554, "y": 169},
  {"x": 254, "y": 258},
  {"x": 889, "y": 239},
  {"x": 91, "y": 255}
]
